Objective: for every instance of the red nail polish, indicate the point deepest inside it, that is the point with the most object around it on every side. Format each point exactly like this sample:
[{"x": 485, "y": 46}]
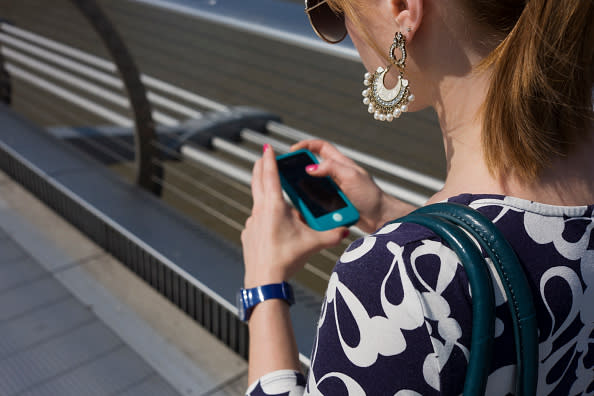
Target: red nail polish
[
  {"x": 345, "y": 233},
  {"x": 266, "y": 147},
  {"x": 311, "y": 168}
]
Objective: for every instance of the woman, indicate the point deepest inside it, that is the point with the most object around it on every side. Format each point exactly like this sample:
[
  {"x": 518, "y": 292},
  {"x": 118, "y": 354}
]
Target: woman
[{"x": 511, "y": 82}]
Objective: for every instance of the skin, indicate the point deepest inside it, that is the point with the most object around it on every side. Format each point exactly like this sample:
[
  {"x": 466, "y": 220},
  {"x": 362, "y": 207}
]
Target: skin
[{"x": 440, "y": 68}]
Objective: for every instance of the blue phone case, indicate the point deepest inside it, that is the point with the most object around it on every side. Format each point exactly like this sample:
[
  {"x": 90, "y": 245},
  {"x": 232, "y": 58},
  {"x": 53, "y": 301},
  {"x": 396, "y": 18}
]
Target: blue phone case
[{"x": 345, "y": 216}]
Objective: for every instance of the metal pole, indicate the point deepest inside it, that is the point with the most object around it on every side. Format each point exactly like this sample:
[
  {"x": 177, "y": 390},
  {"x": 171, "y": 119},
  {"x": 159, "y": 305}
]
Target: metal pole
[
  {"x": 5, "y": 85},
  {"x": 146, "y": 169}
]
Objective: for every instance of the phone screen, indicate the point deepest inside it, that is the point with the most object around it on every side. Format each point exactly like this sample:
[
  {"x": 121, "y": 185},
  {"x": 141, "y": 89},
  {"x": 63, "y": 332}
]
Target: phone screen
[{"x": 318, "y": 193}]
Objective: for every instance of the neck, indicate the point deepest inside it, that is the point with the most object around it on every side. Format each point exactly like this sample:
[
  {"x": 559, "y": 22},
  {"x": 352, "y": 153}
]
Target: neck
[
  {"x": 458, "y": 102},
  {"x": 569, "y": 181}
]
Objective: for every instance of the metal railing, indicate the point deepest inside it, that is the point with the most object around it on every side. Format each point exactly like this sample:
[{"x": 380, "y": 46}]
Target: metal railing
[
  {"x": 30, "y": 56},
  {"x": 144, "y": 152},
  {"x": 199, "y": 153}
]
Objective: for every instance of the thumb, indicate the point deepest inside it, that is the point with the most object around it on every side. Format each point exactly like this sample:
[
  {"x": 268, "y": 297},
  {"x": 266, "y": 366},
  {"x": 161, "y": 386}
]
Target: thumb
[{"x": 326, "y": 239}]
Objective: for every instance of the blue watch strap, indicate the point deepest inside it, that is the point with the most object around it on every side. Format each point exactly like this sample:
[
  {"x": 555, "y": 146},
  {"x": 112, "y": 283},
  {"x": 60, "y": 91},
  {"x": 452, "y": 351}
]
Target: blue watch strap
[{"x": 249, "y": 298}]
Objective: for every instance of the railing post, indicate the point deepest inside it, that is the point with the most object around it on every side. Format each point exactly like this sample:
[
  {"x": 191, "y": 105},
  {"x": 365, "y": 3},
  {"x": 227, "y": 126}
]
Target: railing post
[
  {"x": 148, "y": 168},
  {"x": 5, "y": 85}
]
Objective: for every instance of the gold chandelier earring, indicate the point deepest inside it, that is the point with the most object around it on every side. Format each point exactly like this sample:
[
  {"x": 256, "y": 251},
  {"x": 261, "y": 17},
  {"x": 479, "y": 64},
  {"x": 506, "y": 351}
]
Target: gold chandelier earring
[{"x": 386, "y": 104}]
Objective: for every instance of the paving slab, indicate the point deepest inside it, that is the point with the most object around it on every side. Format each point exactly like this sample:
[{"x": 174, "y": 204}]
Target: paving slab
[
  {"x": 38, "y": 294},
  {"x": 151, "y": 384},
  {"x": 4, "y": 178},
  {"x": 55, "y": 357},
  {"x": 9, "y": 251},
  {"x": 21, "y": 207},
  {"x": 42, "y": 325},
  {"x": 75, "y": 321},
  {"x": 111, "y": 374},
  {"x": 235, "y": 387},
  {"x": 211, "y": 356},
  {"x": 17, "y": 272}
]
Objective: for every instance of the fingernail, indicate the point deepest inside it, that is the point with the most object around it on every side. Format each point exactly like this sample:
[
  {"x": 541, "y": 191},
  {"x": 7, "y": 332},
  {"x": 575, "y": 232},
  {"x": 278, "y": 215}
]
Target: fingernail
[
  {"x": 345, "y": 233},
  {"x": 266, "y": 147},
  {"x": 311, "y": 168}
]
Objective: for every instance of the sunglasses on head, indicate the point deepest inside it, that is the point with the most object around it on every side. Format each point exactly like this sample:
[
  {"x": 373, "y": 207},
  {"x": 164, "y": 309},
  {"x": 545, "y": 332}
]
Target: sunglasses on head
[{"x": 327, "y": 24}]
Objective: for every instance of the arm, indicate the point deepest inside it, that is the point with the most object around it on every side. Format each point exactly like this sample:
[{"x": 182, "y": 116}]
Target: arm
[
  {"x": 276, "y": 244},
  {"x": 272, "y": 342}
]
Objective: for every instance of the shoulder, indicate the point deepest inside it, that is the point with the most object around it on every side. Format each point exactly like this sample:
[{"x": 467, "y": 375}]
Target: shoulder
[
  {"x": 372, "y": 256},
  {"x": 396, "y": 249},
  {"x": 402, "y": 265},
  {"x": 380, "y": 267},
  {"x": 383, "y": 305},
  {"x": 392, "y": 238}
]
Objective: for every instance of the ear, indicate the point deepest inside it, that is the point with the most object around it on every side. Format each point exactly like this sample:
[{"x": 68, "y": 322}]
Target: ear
[{"x": 407, "y": 14}]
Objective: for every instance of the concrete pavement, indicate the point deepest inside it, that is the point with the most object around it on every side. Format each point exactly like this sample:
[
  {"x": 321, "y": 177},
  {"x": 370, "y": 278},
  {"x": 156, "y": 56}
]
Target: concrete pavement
[{"x": 75, "y": 321}]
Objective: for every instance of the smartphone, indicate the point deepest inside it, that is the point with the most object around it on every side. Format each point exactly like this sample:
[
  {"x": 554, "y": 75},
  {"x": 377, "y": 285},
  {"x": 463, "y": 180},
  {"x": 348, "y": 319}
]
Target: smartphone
[{"x": 322, "y": 204}]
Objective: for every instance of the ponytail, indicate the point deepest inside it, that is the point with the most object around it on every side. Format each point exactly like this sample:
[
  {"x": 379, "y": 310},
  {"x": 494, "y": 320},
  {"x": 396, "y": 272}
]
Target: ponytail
[{"x": 539, "y": 103}]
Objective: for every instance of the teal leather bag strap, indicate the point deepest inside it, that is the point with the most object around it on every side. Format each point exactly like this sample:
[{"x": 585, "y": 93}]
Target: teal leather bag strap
[{"x": 515, "y": 284}]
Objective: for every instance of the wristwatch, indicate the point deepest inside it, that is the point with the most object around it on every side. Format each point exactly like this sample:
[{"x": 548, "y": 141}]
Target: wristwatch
[{"x": 247, "y": 299}]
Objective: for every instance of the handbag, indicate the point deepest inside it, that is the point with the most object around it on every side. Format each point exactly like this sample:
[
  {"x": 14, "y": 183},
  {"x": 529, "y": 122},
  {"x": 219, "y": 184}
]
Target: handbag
[{"x": 454, "y": 223}]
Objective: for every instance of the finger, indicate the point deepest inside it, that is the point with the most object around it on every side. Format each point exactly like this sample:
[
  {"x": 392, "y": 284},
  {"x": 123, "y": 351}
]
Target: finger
[
  {"x": 339, "y": 172},
  {"x": 298, "y": 216},
  {"x": 270, "y": 179},
  {"x": 257, "y": 187},
  {"x": 316, "y": 146},
  {"x": 330, "y": 238},
  {"x": 301, "y": 217},
  {"x": 302, "y": 144},
  {"x": 244, "y": 232},
  {"x": 322, "y": 148}
]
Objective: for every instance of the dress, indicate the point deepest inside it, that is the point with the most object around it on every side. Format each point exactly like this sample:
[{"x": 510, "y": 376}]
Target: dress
[{"x": 396, "y": 317}]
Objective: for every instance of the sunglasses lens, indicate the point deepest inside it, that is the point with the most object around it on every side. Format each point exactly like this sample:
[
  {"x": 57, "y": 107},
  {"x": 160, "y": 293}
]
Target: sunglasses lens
[{"x": 328, "y": 24}]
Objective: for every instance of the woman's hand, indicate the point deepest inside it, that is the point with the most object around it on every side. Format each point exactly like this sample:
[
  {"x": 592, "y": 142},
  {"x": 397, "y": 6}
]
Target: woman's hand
[
  {"x": 375, "y": 207},
  {"x": 276, "y": 242}
]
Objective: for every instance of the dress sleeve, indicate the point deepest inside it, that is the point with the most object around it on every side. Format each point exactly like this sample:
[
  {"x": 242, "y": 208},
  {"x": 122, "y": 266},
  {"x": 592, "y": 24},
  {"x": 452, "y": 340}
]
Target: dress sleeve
[
  {"x": 280, "y": 382},
  {"x": 385, "y": 326}
]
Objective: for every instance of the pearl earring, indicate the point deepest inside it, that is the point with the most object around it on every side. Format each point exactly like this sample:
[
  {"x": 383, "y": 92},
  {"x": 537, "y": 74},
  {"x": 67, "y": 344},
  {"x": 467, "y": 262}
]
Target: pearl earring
[{"x": 386, "y": 104}]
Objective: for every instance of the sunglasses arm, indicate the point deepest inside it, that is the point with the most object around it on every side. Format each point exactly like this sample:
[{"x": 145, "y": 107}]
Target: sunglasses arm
[{"x": 316, "y": 6}]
